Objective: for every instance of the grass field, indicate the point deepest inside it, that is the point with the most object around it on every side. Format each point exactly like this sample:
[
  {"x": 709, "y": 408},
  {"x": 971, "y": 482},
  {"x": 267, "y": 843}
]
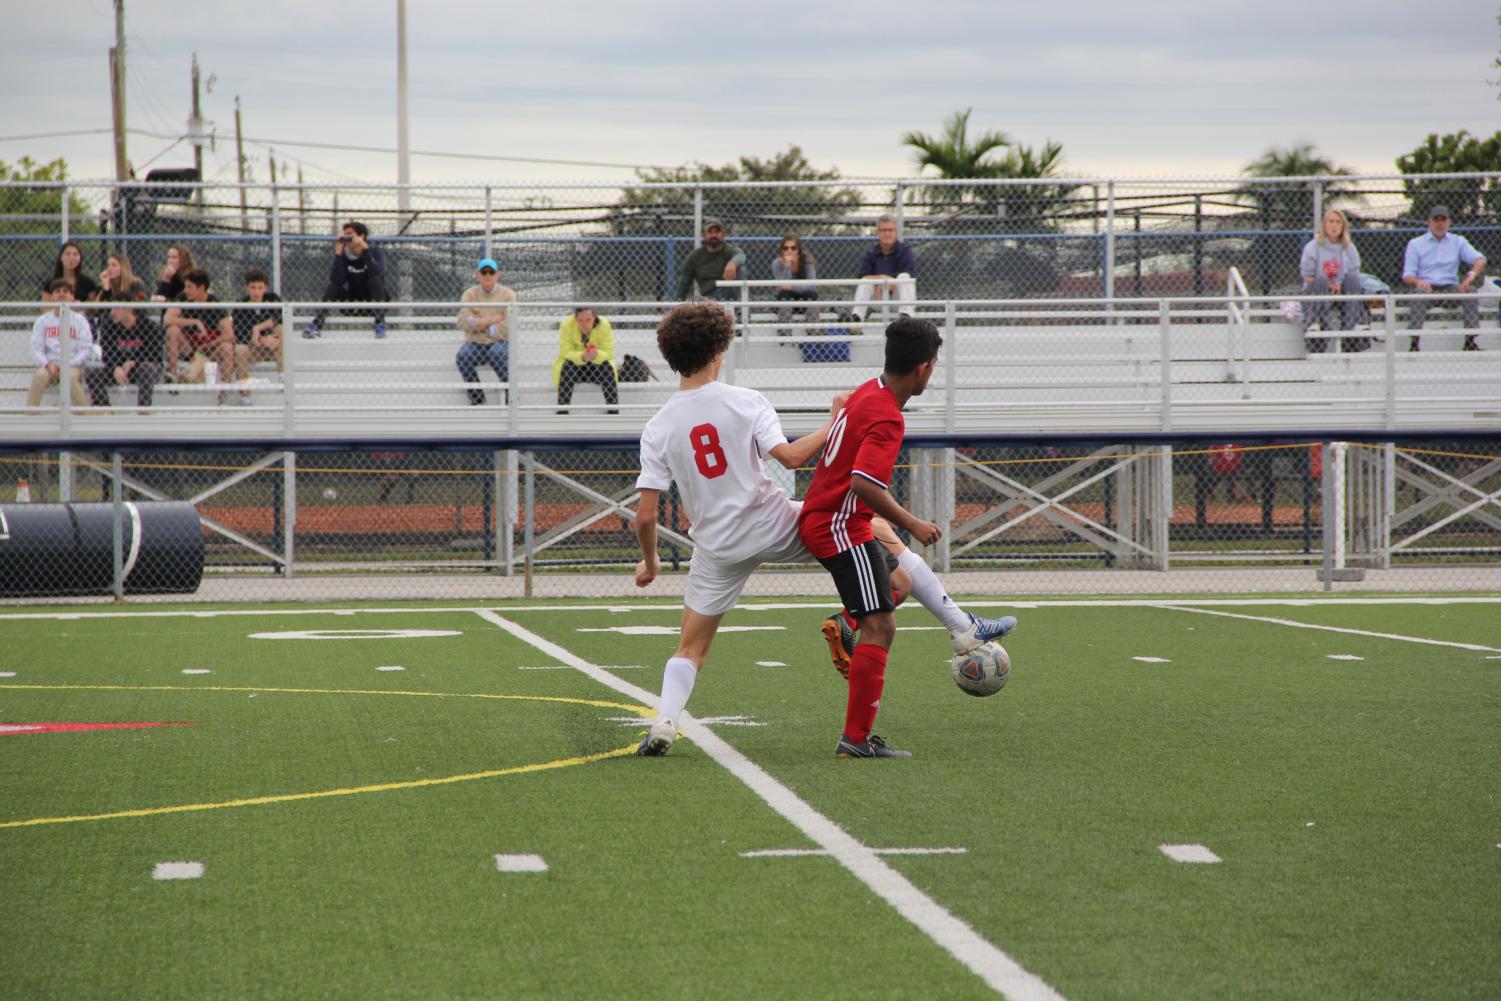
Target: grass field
[{"x": 348, "y": 799}]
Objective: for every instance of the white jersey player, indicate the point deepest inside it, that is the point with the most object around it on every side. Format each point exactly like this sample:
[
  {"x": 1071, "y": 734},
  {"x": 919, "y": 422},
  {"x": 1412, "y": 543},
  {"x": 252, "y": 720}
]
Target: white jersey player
[{"x": 712, "y": 440}]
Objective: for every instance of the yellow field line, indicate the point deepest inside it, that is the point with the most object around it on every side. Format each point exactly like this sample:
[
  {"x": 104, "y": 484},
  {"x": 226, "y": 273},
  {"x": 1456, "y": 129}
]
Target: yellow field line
[{"x": 352, "y": 791}]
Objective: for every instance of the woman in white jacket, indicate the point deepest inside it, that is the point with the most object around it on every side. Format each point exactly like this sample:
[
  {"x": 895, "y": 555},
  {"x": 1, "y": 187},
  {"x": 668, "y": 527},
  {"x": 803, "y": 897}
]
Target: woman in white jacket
[{"x": 1332, "y": 264}]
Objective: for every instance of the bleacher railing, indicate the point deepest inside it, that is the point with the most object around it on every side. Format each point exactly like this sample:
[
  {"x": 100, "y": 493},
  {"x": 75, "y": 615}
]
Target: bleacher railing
[{"x": 1049, "y": 238}]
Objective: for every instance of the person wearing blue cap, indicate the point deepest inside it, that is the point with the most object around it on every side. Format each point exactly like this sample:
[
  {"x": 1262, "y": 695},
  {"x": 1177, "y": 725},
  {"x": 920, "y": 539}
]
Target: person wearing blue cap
[{"x": 485, "y": 321}]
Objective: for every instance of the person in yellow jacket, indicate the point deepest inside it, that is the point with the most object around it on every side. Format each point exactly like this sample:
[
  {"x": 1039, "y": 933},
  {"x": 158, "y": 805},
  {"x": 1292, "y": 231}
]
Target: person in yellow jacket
[{"x": 586, "y": 353}]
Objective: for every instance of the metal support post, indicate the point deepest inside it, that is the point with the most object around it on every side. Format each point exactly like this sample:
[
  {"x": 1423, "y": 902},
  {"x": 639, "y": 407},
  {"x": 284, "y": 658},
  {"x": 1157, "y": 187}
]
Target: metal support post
[
  {"x": 276, "y": 252},
  {"x": 1162, "y": 508},
  {"x": 117, "y": 526},
  {"x": 698, "y": 216},
  {"x": 289, "y": 358},
  {"x": 1109, "y": 262},
  {"x": 489, "y": 226},
  {"x": 1389, "y": 369},
  {"x": 530, "y": 513},
  {"x": 289, "y": 506},
  {"x": 1327, "y": 504},
  {"x": 1165, "y": 365}
]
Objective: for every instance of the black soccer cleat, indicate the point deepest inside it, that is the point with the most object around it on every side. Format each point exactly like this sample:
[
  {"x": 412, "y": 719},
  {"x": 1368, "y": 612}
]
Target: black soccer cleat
[{"x": 873, "y": 747}]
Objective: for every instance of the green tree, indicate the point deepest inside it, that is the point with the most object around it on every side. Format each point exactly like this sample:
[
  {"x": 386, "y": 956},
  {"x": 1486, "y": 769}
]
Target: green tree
[
  {"x": 1468, "y": 200},
  {"x": 30, "y": 208},
  {"x": 1289, "y": 206},
  {"x": 768, "y": 211},
  {"x": 955, "y": 155}
]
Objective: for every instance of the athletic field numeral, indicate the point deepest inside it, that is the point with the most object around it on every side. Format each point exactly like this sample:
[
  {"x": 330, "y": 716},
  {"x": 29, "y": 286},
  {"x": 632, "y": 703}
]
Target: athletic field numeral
[
  {"x": 836, "y": 438},
  {"x": 707, "y": 452}
]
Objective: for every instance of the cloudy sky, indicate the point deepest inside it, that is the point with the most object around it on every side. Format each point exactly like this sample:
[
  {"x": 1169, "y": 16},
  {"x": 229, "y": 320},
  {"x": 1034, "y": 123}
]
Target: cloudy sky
[{"x": 1169, "y": 88}]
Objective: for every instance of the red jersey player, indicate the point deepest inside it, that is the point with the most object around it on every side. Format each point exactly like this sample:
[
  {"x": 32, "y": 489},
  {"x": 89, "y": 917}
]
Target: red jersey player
[{"x": 850, "y": 485}]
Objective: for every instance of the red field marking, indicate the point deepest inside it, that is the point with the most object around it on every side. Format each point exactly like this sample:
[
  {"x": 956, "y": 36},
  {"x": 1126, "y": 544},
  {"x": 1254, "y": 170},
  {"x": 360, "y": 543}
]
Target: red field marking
[{"x": 76, "y": 727}]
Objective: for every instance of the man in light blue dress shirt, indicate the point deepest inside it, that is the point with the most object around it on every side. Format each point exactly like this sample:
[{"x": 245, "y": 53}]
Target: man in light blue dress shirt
[{"x": 1432, "y": 265}]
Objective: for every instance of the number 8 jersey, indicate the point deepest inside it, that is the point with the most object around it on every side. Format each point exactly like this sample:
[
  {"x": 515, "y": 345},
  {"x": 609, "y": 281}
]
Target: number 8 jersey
[
  {"x": 710, "y": 441},
  {"x": 865, "y": 440}
]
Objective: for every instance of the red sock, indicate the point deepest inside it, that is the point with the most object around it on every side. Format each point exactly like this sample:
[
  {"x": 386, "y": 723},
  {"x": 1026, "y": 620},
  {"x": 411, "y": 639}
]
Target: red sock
[
  {"x": 867, "y": 679},
  {"x": 849, "y": 619}
]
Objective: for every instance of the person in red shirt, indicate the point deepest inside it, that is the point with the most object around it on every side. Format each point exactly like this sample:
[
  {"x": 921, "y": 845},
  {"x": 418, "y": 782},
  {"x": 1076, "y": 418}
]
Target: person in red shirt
[{"x": 850, "y": 486}]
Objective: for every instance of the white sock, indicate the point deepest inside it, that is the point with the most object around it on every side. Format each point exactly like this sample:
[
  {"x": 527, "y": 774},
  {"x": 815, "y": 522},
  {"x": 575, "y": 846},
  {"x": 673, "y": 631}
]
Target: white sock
[
  {"x": 677, "y": 684},
  {"x": 928, "y": 590}
]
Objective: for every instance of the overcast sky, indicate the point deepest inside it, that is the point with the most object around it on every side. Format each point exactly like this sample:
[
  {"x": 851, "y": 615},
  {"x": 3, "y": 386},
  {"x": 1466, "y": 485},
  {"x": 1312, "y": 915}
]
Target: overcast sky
[{"x": 1169, "y": 88}]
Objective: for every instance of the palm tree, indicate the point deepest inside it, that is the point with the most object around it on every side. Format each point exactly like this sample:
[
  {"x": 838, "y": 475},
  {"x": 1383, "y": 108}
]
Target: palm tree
[
  {"x": 1287, "y": 204},
  {"x": 953, "y": 155}
]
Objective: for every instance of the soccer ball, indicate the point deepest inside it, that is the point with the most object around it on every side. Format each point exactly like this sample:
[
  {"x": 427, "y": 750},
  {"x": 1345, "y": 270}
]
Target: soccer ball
[
  {"x": 329, "y": 493},
  {"x": 982, "y": 671}
]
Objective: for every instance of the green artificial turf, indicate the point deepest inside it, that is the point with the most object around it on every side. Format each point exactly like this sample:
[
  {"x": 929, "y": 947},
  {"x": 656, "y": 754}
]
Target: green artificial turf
[{"x": 1353, "y": 803}]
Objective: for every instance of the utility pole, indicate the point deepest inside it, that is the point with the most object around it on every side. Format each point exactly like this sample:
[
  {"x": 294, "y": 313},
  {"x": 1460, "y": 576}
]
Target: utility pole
[
  {"x": 273, "y": 168},
  {"x": 240, "y": 162},
  {"x": 195, "y": 135},
  {"x": 403, "y": 144},
  {"x": 301, "y": 203},
  {"x": 117, "y": 92}
]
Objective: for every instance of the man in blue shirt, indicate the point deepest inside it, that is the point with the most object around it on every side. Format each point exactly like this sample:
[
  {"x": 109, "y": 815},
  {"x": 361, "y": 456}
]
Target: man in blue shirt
[
  {"x": 1432, "y": 265},
  {"x": 890, "y": 270}
]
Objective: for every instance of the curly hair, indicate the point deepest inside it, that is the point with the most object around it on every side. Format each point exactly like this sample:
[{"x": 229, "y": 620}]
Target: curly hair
[{"x": 693, "y": 335}]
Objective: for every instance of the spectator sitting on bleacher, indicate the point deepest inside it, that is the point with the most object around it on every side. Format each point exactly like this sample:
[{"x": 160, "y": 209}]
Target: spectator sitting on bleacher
[
  {"x": 133, "y": 345},
  {"x": 487, "y": 332},
  {"x": 46, "y": 346},
  {"x": 358, "y": 274},
  {"x": 69, "y": 267},
  {"x": 586, "y": 353},
  {"x": 795, "y": 267},
  {"x": 1330, "y": 263},
  {"x": 1431, "y": 264},
  {"x": 118, "y": 281},
  {"x": 257, "y": 331},
  {"x": 709, "y": 264},
  {"x": 889, "y": 259},
  {"x": 201, "y": 333},
  {"x": 170, "y": 282}
]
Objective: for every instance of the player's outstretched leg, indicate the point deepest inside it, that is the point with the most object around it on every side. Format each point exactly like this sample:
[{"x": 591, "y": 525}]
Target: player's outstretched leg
[{"x": 678, "y": 676}]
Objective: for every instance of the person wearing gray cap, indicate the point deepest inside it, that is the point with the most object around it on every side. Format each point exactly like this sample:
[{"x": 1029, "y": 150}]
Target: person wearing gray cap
[
  {"x": 485, "y": 320},
  {"x": 714, "y": 261},
  {"x": 1432, "y": 265}
]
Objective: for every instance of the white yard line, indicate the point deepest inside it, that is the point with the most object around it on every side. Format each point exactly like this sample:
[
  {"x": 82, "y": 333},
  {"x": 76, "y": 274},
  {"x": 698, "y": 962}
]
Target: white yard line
[
  {"x": 989, "y": 963},
  {"x": 1179, "y": 607},
  {"x": 769, "y": 607}
]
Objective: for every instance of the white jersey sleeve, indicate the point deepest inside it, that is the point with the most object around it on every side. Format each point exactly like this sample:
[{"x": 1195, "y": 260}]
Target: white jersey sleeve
[
  {"x": 655, "y": 473},
  {"x": 768, "y": 427}
]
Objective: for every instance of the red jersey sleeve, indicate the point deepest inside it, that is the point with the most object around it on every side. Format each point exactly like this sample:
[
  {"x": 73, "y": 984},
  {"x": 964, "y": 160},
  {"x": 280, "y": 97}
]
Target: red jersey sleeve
[{"x": 879, "y": 448}]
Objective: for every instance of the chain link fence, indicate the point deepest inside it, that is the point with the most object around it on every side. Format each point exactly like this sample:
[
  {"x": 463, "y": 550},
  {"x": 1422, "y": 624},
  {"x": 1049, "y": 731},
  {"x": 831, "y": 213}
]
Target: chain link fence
[
  {"x": 973, "y": 239},
  {"x": 1036, "y": 519}
]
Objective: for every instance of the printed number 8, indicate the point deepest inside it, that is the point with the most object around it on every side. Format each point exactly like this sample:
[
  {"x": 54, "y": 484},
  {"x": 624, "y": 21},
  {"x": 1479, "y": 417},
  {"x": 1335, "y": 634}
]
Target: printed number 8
[{"x": 707, "y": 453}]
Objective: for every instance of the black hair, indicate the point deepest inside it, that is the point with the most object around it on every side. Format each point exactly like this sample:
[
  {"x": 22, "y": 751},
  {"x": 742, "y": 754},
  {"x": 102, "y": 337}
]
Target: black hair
[
  {"x": 359, "y": 228},
  {"x": 909, "y": 343},
  {"x": 59, "y": 283},
  {"x": 257, "y": 275},
  {"x": 198, "y": 277},
  {"x": 693, "y": 335}
]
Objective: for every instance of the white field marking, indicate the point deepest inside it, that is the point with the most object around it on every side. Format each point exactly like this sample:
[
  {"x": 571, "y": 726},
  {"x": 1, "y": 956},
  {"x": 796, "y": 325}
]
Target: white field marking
[
  {"x": 1493, "y": 657},
  {"x": 770, "y": 663},
  {"x": 1152, "y": 660},
  {"x": 673, "y": 630},
  {"x": 177, "y": 870},
  {"x": 1180, "y": 607},
  {"x": 1344, "y": 656},
  {"x": 565, "y": 667},
  {"x": 391, "y": 667},
  {"x": 1188, "y": 853},
  {"x": 356, "y": 634},
  {"x": 730, "y": 721},
  {"x": 196, "y": 670},
  {"x": 820, "y": 853},
  {"x": 520, "y": 863},
  {"x": 990, "y": 964},
  {"x": 18, "y": 728},
  {"x": 677, "y": 609},
  {"x": 7, "y": 674}
]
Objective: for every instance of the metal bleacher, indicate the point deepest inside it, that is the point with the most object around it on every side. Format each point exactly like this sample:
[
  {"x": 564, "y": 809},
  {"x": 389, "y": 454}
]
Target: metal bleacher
[{"x": 1019, "y": 367}]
